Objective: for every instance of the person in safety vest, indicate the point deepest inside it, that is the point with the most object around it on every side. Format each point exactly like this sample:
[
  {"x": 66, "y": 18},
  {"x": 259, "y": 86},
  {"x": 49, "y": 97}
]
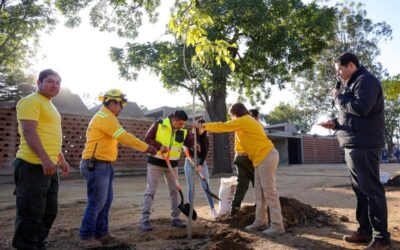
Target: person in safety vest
[
  {"x": 168, "y": 136},
  {"x": 101, "y": 150}
]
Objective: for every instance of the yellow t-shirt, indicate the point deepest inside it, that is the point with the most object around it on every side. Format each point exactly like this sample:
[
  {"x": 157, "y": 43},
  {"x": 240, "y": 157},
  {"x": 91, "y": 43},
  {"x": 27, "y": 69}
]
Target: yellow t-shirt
[
  {"x": 106, "y": 131},
  {"x": 36, "y": 107},
  {"x": 250, "y": 136}
]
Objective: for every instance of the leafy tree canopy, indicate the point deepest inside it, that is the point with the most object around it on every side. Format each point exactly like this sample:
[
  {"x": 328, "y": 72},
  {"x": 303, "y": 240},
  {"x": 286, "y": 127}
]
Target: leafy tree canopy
[
  {"x": 271, "y": 47},
  {"x": 355, "y": 33},
  {"x": 21, "y": 24},
  {"x": 121, "y": 16},
  {"x": 268, "y": 42},
  {"x": 391, "y": 87},
  {"x": 286, "y": 113}
]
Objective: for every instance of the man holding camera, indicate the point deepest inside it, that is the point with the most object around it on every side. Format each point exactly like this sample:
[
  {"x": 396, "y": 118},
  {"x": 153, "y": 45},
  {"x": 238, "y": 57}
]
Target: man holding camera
[
  {"x": 101, "y": 150},
  {"x": 360, "y": 131}
]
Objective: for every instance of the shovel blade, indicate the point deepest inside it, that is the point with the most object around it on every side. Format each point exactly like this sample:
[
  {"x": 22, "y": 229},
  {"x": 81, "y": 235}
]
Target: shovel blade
[
  {"x": 209, "y": 191},
  {"x": 185, "y": 209},
  {"x": 213, "y": 195}
]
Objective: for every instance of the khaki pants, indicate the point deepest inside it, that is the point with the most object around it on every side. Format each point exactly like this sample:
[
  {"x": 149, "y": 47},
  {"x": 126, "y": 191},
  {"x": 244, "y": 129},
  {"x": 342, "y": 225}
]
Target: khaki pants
[
  {"x": 153, "y": 175},
  {"x": 265, "y": 191}
]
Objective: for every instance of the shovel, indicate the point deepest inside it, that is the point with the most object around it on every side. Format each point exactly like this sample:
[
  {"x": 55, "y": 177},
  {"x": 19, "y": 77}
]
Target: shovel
[
  {"x": 201, "y": 176},
  {"x": 185, "y": 208}
]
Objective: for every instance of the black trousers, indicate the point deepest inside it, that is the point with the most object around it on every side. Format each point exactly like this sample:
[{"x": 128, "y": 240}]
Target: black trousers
[
  {"x": 245, "y": 171},
  {"x": 371, "y": 213},
  {"x": 36, "y": 197}
]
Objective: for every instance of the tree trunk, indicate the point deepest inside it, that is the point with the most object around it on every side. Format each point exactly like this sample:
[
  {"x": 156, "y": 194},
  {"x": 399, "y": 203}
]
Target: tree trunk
[
  {"x": 389, "y": 141},
  {"x": 218, "y": 112}
]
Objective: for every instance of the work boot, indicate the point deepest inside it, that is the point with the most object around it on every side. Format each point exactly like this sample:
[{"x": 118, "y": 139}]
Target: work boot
[
  {"x": 256, "y": 226},
  {"x": 357, "y": 237},
  {"x": 90, "y": 243},
  {"x": 234, "y": 210},
  {"x": 108, "y": 240},
  {"x": 274, "y": 231},
  {"x": 213, "y": 213},
  {"x": 145, "y": 226},
  {"x": 178, "y": 223},
  {"x": 379, "y": 245}
]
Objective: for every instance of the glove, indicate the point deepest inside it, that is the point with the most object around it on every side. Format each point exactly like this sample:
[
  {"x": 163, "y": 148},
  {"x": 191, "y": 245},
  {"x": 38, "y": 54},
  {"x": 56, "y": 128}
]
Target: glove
[
  {"x": 151, "y": 150},
  {"x": 163, "y": 149}
]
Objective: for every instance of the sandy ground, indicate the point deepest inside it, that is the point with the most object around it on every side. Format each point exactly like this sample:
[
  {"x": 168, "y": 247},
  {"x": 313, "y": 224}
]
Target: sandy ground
[{"x": 325, "y": 187}]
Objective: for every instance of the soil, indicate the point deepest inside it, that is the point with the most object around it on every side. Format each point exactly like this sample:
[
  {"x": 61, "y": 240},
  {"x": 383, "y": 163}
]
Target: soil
[
  {"x": 394, "y": 181},
  {"x": 318, "y": 207}
]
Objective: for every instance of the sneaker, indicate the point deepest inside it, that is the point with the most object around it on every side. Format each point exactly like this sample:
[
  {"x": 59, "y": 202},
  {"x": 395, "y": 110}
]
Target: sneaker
[
  {"x": 274, "y": 231},
  {"x": 256, "y": 226},
  {"x": 213, "y": 213},
  {"x": 108, "y": 239},
  {"x": 379, "y": 245},
  {"x": 178, "y": 223},
  {"x": 357, "y": 237},
  {"x": 145, "y": 226},
  {"x": 90, "y": 243}
]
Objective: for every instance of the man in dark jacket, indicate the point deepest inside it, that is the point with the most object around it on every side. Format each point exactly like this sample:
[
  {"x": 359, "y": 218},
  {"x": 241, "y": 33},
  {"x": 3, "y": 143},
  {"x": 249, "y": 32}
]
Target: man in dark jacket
[{"x": 360, "y": 131}]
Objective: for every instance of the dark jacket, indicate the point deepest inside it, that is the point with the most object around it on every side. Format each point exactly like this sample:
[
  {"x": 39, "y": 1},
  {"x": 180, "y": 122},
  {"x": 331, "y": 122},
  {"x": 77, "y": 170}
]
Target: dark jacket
[
  {"x": 361, "y": 112},
  {"x": 202, "y": 140}
]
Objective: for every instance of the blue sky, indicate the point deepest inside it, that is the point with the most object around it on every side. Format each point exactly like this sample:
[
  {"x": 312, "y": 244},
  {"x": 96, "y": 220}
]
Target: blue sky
[
  {"x": 388, "y": 11},
  {"x": 81, "y": 57}
]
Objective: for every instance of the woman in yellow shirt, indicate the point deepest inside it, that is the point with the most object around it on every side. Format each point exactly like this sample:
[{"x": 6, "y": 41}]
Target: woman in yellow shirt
[{"x": 261, "y": 151}]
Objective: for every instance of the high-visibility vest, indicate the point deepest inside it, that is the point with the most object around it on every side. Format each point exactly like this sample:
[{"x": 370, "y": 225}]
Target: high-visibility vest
[{"x": 173, "y": 139}]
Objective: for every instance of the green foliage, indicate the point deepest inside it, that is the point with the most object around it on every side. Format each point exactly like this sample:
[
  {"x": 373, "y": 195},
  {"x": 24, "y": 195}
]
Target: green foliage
[
  {"x": 189, "y": 25},
  {"x": 355, "y": 33},
  {"x": 121, "y": 16},
  {"x": 21, "y": 23},
  {"x": 274, "y": 40},
  {"x": 391, "y": 88},
  {"x": 302, "y": 119}
]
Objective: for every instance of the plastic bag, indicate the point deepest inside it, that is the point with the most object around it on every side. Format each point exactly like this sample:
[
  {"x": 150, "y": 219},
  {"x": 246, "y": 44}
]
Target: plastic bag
[
  {"x": 226, "y": 190},
  {"x": 384, "y": 177}
]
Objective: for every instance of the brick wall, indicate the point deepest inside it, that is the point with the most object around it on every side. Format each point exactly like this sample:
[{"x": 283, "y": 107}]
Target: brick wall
[
  {"x": 321, "y": 149},
  {"x": 9, "y": 138}
]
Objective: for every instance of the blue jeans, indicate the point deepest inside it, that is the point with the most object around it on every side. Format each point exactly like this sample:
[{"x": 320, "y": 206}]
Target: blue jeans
[
  {"x": 99, "y": 184},
  {"x": 189, "y": 171}
]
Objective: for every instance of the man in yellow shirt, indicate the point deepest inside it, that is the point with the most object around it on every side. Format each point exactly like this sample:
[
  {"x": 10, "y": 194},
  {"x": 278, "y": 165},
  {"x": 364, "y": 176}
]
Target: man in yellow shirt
[
  {"x": 265, "y": 158},
  {"x": 35, "y": 165},
  {"x": 101, "y": 150}
]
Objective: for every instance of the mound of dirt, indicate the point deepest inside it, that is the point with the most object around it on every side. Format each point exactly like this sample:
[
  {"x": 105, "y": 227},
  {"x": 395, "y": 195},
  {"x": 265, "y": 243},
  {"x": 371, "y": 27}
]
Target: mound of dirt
[
  {"x": 294, "y": 212},
  {"x": 230, "y": 240},
  {"x": 394, "y": 182}
]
